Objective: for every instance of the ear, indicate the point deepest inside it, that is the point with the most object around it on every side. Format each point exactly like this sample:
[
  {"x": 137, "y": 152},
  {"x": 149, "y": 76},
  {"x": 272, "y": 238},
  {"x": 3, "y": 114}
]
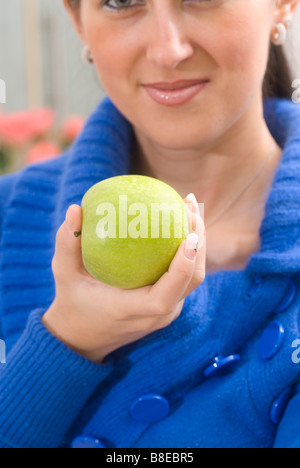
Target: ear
[
  {"x": 75, "y": 17},
  {"x": 286, "y": 9}
]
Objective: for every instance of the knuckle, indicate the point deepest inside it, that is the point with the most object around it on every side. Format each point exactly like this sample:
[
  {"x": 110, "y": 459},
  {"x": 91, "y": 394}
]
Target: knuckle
[
  {"x": 161, "y": 326},
  {"x": 144, "y": 326},
  {"x": 175, "y": 317},
  {"x": 58, "y": 234},
  {"x": 54, "y": 265},
  {"x": 58, "y": 275},
  {"x": 166, "y": 321},
  {"x": 58, "y": 272},
  {"x": 117, "y": 315},
  {"x": 199, "y": 276},
  {"x": 184, "y": 273},
  {"x": 141, "y": 326},
  {"x": 157, "y": 309}
]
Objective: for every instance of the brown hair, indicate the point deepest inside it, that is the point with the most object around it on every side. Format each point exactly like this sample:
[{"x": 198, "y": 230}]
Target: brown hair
[
  {"x": 277, "y": 81},
  {"x": 278, "y": 78}
]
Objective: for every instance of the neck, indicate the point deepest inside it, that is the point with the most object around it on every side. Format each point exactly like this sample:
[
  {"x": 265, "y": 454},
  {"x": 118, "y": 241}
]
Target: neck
[{"x": 216, "y": 173}]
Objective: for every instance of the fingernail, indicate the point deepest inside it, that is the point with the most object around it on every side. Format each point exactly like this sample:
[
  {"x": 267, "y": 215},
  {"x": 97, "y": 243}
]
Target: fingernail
[
  {"x": 191, "y": 246},
  {"x": 191, "y": 197}
]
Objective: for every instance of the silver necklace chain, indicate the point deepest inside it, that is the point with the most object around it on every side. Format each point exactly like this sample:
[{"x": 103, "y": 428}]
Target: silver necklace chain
[{"x": 243, "y": 190}]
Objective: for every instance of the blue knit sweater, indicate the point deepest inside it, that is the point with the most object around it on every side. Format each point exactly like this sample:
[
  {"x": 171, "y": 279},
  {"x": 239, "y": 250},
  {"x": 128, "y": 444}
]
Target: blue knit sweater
[{"x": 50, "y": 395}]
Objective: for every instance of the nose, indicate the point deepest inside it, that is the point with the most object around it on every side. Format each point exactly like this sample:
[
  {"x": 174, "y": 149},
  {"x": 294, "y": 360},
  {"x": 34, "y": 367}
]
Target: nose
[{"x": 168, "y": 46}]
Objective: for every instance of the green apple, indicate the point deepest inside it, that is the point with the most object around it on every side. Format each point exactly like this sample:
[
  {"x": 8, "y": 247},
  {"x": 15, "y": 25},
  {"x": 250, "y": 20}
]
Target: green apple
[{"x": 132, "y": 226}]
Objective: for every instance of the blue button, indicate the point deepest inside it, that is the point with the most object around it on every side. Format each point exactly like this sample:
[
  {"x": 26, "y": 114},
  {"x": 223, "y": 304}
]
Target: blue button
[
  {"x": 271, "y": 341},
  {"x": 150, "y": 409},
  {"x": 279, "y": 406},
  {"x": 288, "y": 298},
  {"x": 84, "y": 442},
  {"x": 221, "y": 364}
]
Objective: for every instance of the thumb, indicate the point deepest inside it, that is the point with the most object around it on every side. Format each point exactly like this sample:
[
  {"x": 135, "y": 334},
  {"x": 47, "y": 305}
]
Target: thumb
[
  {"x": 74, "y": 220},
  {"x": 67, "y": 255}
]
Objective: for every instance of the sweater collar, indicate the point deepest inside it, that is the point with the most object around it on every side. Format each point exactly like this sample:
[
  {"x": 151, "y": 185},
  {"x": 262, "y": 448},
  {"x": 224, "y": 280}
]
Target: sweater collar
[
  {"x": 104, "y": 150},
  {"x": 280, "y": 228}
]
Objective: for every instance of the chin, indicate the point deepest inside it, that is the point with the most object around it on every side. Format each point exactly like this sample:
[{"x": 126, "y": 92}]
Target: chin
[{"x": 177, "y": 140}]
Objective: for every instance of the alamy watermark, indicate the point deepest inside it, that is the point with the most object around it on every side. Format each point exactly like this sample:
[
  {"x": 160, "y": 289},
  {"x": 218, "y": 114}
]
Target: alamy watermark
[
  {"x": 2, "y": 101},
  {"x": 2, "y": 92},
  {"x": 296, "y": 353},
  {"x": 2, "y": 352},
  {"x": 296, "y": 93},
  {"x": 163, "y": 216}
]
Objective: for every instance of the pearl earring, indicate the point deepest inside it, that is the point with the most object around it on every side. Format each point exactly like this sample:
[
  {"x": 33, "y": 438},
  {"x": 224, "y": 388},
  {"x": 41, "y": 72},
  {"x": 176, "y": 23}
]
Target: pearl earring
[
  {"x": 86, "y": 55},
  {"x": 281, "y": 34}
]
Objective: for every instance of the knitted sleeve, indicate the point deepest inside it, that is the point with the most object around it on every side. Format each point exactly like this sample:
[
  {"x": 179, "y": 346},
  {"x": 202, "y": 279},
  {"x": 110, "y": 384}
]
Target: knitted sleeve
[
  {"x": 6, "y": 184},
  {"x": 288, "y": 434},
  {"x": 44, "y": 385}
]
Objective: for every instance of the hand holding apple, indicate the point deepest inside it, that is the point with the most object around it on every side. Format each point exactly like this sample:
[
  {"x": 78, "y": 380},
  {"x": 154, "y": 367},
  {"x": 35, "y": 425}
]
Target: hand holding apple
[{"x": 94, "y": 318}]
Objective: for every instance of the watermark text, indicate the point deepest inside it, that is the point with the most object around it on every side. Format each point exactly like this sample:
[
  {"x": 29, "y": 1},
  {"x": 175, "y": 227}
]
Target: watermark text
[
  {"x": 296, "y": 353},
  {"x": 2, "y": 352},
  {"x": 2, "y": 92},
  {"x": 165, "y": 220},
  {"x": 296, "y": 93}
]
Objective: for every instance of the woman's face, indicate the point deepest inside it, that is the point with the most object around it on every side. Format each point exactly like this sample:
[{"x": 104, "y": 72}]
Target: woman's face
[{"x": 137, "y": 42}]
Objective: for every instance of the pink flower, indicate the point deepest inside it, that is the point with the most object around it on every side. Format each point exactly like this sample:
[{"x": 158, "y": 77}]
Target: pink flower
[
  {"x": 72, "y": 127},
  {"x": 41, "y": 121},
  {"x": 18, "y": 128},
  {"x": 42, "y": 151}
]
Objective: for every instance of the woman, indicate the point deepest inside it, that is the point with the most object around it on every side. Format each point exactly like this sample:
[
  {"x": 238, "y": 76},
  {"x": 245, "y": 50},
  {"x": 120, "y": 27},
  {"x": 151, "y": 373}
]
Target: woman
[{"x": 203, "y": 358}]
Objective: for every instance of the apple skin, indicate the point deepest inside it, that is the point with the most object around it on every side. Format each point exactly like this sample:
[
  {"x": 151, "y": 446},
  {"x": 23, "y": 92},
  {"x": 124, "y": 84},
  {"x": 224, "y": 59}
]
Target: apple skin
[{"x": 128, "y": 262}]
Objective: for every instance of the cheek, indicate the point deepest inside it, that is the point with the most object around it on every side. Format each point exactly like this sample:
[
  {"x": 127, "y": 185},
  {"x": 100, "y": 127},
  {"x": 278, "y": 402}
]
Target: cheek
[
  {"x": 241, "y": 46},
  {"x": 115, "y": 57},
  {"x": 109, "y": 47},
  {"x": 111, "y": 61}
]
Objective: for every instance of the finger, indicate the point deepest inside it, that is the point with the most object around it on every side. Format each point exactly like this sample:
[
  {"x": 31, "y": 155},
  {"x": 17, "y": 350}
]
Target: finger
[
  {"x": 199, "y": 272},
  {"x": 196, "y": 223},
  {"x": 169, "y": 289},
  {"x": 68, "y": 257}
]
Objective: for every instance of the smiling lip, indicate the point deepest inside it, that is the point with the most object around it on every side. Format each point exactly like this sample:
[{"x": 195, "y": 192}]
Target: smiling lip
[
  {"x": 172, "y": 94},
  {"x": 176, "y": 84}
]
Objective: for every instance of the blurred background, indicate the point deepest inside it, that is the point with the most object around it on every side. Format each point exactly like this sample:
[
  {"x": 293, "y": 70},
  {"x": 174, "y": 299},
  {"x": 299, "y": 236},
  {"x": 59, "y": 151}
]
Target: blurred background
[
  {"x": 49, "y": 91},
  {"x": 40, "y": 59}
]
